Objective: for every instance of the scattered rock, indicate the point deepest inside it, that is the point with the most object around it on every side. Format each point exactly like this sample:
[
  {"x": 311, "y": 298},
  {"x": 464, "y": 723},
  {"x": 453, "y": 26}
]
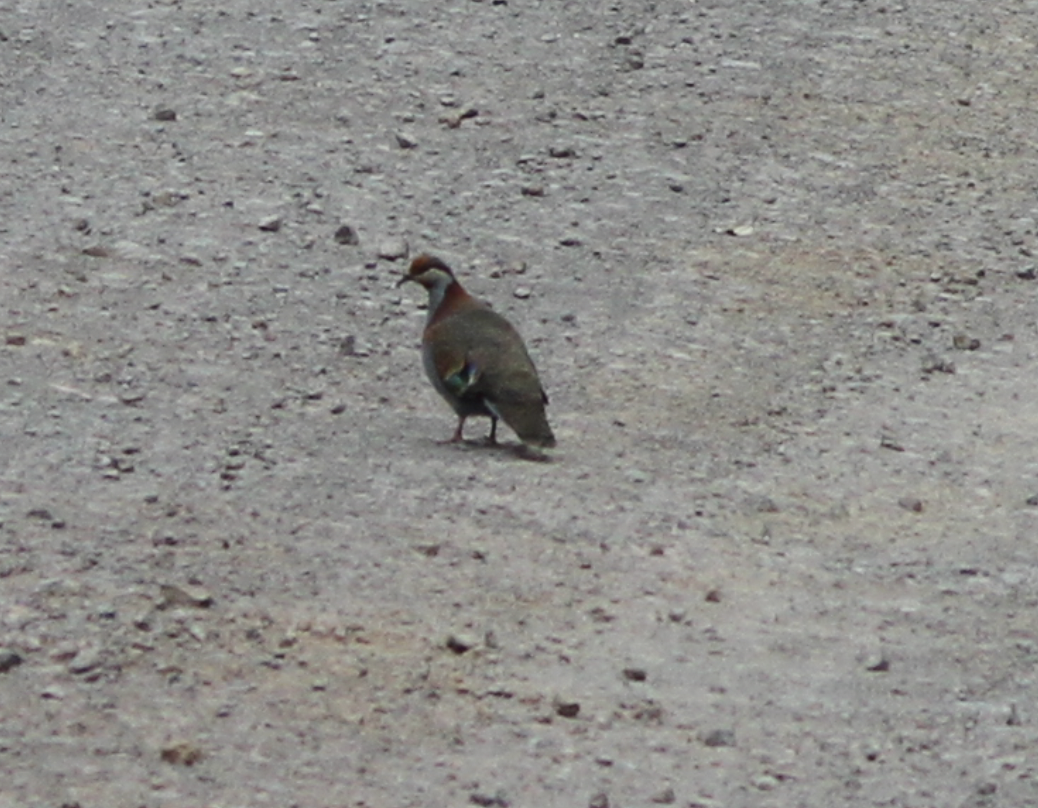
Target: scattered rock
[
  {"x": 347, "y": 235},
  {"x": 15, "y": 339},
  {"x": 913, "y": 504},
  {"x": 664, "y": 797},
  {"x": 882, "y": 665},
  {"x": 532, "y": 190},
  {"x": 393, "y": 249},
  {"x": 9, "y": 659},
  {"x": 460, "y": 643},
  {"x": 936, "y": 364},
  {"x": 182, "y": 753},
  {"x": 599, "y": 800},
  {"x": 497, "y": 800},
  {"x": 964, "y": 342},
  {"x": 270, "y": 224},
  {"x": 562, "y": 152},
  {"x": 405, "y": 141},
  {"x": 97, "y": 251},
  {"x": 566, "y": 708},
  {"x": 172, "y": 596},
  {"x": 718, "y": 737},
  {"x": 164, "y": 114},
  {"x": 85, "y": 661},
  {"x": 765, "y": 782},
  {"x": 635, "y": 674},
  {"x": 522, "y": 292},
  {"x": 889, "y": 441},
  {"x": 713, "y": 596}
]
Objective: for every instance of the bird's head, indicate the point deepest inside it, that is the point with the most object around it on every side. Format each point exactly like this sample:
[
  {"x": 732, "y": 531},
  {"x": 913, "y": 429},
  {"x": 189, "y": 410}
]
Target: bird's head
[{"x": 428, "y": 271}]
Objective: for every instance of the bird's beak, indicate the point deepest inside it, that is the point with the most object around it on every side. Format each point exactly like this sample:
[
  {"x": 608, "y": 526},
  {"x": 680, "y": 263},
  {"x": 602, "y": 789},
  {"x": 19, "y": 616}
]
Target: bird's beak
[{"x": 403, "y": 279}]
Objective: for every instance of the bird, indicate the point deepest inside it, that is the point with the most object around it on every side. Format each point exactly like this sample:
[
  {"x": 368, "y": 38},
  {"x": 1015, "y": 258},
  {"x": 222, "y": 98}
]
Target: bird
[{"x": 476, "y": 359}]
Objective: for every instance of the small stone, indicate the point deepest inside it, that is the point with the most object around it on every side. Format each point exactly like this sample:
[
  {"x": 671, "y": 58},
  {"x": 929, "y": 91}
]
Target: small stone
[
  {"x": 665, "y": 797},
  {"x": 561, "y": 152},
  {"x": 936, "y": 364},
  {"x": 532, "y": 190},
  {"x": 96, "y": 251},
  {"x": 9, "y": 659},
  {"x": 599, "y": 800},
  {"x": 164, "y": 114},
  {"x": 15, "y": 339},
  {"x": 964, "y": 342},
  {"x": 522, "y": 292},
  {"x": 713, "y": 596},
  {"x": 566, "y": 708},
  {"x": 765, "y": 782},
  {"x": 347, "y": 235},
  {"x": 183, "y": 753},
  {"x": 460, "y": 643},
  {"x": 676, "y": 187},
  {"x": 888, "y": 441},
  {"x": 1032, "y": 500},
  {"x": 718, "y": 737},
  {"x": 635, "y": 674},
  {"x": 393, "y": 249},
  {"x": 85, "y": 660},
  {"x": 913, "y": 504},
  {"x": 171, "y": 596},
  {"x": 570, "y": 241},
  {"x": 498, "y": 800},
  {"x": 405, "y": 141},
  {"x": 882, "y": 665},
  {"x": 634, "y": 61},
  {"x": 270, "y": 224}
]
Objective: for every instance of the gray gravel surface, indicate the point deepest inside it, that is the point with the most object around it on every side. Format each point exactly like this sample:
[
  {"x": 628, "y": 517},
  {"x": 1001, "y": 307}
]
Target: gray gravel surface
[{"x": 774, "y": 260}]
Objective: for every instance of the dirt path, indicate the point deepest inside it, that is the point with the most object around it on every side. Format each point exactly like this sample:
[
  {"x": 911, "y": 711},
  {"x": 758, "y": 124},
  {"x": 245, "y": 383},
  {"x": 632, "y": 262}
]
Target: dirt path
[{"x": 774, "y": 261}]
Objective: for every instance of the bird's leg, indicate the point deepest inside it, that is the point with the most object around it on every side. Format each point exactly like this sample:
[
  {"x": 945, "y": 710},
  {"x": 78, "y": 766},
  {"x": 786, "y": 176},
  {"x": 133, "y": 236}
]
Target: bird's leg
[
  {"x": 457, "y": 438},
  {"x": 492, "y": 437}
]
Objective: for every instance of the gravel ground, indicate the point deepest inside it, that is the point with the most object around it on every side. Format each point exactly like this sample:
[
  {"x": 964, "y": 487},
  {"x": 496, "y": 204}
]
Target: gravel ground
[{"x": 774, "y": 260}]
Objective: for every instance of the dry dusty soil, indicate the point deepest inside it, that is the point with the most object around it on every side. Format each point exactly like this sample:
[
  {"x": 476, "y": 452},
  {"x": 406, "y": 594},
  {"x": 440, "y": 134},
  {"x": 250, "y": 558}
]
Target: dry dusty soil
[{"x": 774, "y": 259}]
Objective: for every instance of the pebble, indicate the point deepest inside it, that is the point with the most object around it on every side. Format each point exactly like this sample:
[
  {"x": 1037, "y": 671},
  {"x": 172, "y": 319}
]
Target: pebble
[
  {"x": 664, "y": 797},
  {"x": 9, "y": 659},
  {"x": 182, "y": 753},
  {"x": 522, "y": 292},
  {"x": 913, "y": 504},
  {"x": 346, "y": 235},
  {"x": 561, "y": 152},
  {"x": 85, "y": 660},
  {"x": 566, "y": 708},
  {"x": 393, "y": 249},
  {"x": 270, "y": 224},
  {"x": 171, "y": 595},
  {"x": 406, "y": 141},
  {"x": 460, "y": 643},
  {"x": 635, "y": 674},
  {"x": 164, "y": 114},
  {"x": 718, "y": 737},
  {"x": 599, "y": 800},
  {"x": 765, "y": 782},
  {"x": 964, "y": 342}
]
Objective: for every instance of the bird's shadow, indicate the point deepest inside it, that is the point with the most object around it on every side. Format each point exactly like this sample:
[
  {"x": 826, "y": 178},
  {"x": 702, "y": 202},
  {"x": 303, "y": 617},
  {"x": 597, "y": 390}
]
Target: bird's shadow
[{"x": 517, "y": 450}]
